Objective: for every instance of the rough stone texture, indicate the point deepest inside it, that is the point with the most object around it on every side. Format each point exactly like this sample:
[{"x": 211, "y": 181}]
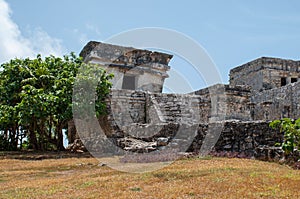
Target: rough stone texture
[
  {"x": 277, "y": 103},
  {"x": 122, "y": 55},
  {"x": 136, "y": 145},
  {"x": 127, "y": 107},
  {"x": 241, "y": 137},
  {"x": 233, "y": 102},
  {"x": 237, "y": 136},
  {"x": 76, "y": 146},
  {"x": 265, "y": 73},
  {"x": 142, "y": 121},
  {"x": 147, "y": 68}
]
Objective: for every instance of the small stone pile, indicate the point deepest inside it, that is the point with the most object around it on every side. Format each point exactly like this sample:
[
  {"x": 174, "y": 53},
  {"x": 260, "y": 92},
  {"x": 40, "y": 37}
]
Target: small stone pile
[
  {"x": 140, "y": 146},
  {"x": 76, "y": 146}
]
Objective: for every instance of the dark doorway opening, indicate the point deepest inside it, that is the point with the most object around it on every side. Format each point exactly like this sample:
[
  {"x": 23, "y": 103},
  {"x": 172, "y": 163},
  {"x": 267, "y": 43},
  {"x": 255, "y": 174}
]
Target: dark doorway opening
[
  {"x": 293, "y": 80},
  {"x": 129, "y": 82},
  {"x": 283, "y": 81}
]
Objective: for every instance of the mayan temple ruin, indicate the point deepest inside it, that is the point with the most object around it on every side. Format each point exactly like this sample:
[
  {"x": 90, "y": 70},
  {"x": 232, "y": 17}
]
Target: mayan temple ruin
[{"x": 258, "y": 92}]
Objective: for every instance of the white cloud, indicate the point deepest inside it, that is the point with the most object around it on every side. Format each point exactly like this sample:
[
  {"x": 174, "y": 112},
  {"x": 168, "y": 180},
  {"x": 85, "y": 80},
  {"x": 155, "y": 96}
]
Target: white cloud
[
  {"x": 43, "y": 43},
  {"x": 13, "y": 44},
  {"x": 90, "y": 32},
  {"x": 82, "y": 38},
  {"x": 93, "y": 28}
]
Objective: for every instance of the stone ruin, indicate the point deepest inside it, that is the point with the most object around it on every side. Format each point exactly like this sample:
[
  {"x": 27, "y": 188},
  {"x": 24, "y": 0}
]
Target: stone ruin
[
  {"x": 259, "y": 91},
  {"x": 131, "y": 67}
]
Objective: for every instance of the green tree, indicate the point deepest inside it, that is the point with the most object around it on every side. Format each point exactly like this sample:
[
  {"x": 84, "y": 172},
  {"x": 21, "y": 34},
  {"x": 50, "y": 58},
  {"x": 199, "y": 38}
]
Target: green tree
[
  {"x": 291, "y": 130},
  {"x": 36, "y": 99}
]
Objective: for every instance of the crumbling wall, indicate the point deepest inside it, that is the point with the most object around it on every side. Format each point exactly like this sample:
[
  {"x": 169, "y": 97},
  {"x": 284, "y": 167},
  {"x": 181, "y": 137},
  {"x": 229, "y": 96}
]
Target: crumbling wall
[
  {"x": 277, "y": 103},
  {"x": 126, "y": 107},
  {"x": 129, "y": 110},
  {"x": 265, "y": 73},
  {"x": 251, "y": 139},
  {"x": 232, "y": 101},
  {"x": 178, "y": 108},
  {"x": 247, "y": 74}
]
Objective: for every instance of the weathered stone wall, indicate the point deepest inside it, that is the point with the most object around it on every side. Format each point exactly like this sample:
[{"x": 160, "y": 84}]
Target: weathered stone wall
[
  {"x": 265, "y": 73},
  {"x": 232, "y": 101},
  {"x": 176, "y": 108},
  {"x": 253, "y": 79},
  {"x": 127, "y": 107},
  {"x": 247, "y": 74},
  {"x": 135, "y": 109},
  {"x": 272, "y": 77},
  {"x": 248, "y": 138},
  {"x": 277, "y": 103},
  {"x": 132, "y": 110}
]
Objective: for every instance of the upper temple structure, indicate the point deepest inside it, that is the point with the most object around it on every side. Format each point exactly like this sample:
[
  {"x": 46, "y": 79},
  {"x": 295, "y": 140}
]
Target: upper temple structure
[{"x": 133, "y": 69}]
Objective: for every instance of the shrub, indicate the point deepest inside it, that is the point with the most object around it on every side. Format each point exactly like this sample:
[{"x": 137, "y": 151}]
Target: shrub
[{"x": 291, "y": 130}]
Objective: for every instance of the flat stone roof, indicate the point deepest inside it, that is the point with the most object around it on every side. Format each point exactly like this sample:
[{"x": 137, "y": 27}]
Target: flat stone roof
[
  {"x": 121, "y": 54},
  {"x": 268, "y": 62}
]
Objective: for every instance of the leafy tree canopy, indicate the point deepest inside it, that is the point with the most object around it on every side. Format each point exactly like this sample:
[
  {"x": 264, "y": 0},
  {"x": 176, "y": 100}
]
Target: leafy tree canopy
[{"x": 36, "y": 100}]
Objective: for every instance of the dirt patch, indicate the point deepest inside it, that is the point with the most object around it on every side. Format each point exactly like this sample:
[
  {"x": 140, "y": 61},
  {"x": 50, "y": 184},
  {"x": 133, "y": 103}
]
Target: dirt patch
[{"x": 33, "y": 155}]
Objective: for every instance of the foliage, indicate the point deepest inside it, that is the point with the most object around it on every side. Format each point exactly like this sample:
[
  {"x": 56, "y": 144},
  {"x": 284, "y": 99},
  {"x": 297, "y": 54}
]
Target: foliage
[
  {"x": 4, "y": 143},
  {"x": 88, "y": 91},
  {"x": 291, "y": 129},
  {"x": 36, "y": 100}
]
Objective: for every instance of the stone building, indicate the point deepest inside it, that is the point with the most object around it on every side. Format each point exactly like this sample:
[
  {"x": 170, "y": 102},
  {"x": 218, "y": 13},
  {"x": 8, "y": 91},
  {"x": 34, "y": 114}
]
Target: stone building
[
  {"x": 263, "y": 89},
  {"x": 266, "y": 73},
  {"x": 133, "y": 69},
  {"x": 274, "y": 87},
  {"x": 259, "y": 91}
]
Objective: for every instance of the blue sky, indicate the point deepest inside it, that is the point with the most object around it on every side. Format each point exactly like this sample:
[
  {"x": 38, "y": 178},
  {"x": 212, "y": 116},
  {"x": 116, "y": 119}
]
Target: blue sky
[{"x": 232, "y": 32}]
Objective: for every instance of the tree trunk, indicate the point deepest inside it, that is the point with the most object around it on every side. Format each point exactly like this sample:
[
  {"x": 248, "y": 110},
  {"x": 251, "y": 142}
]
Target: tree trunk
[
  {"x": 32, "y": 136},
  {"x": 60, "y": 140},
  {"x": 33, "y": 140},
  {"x": 71, "y": 132},
  {"x": 17, "y": 136}
]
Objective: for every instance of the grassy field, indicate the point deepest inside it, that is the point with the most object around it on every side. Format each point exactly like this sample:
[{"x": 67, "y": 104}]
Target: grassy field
[{"x": 190, "y": 178}]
